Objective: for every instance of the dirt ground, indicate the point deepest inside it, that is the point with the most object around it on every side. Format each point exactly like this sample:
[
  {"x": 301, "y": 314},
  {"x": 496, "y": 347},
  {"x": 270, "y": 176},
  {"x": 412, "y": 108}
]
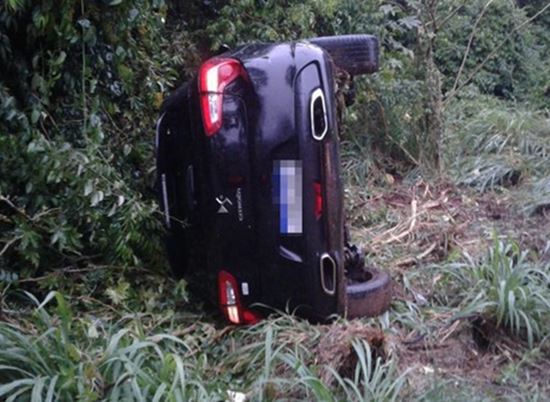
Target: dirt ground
[
  {"x": 410, "y": 227},
  {"x": 421, "y": 223}
]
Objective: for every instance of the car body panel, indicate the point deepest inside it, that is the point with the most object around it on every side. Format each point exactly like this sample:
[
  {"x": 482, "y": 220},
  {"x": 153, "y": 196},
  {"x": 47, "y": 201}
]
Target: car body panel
[{"x": 235, "y": 208}]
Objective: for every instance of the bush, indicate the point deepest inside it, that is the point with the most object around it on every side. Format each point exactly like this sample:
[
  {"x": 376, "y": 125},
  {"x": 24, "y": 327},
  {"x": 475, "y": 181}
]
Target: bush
[
  {"x": 511, "y": 73},
  {"x": 77, "y": 120}
]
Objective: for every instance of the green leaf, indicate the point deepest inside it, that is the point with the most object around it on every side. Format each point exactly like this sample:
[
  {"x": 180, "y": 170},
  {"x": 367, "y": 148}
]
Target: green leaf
[
  {"x": 15, "y": 5},
  {"x": 35, "y": 115},
  {"x": 39, "y": 384},
  {"x": 51, "y": 389},
  {"x": 11, "y": 386},
  {"x": 63, "y": 309},
  {"x": 97, "y": 197},
  {"x": 84, "y": 23},
  {"x": 118, "y": 294},
  {"x": 60, "y": 59},
  {"x": 88, "y": 187}
]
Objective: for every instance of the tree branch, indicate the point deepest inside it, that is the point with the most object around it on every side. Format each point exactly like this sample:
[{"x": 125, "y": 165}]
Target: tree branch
[
  {"x": 449, "y": 16},
  {"x": 469, "y": 46},
  {"x": 8, "y": 244},
  {"x": 493, "y": 53}
]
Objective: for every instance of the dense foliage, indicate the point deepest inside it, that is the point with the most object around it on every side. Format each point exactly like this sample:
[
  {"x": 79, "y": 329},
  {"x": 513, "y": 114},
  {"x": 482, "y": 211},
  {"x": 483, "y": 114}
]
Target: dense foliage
[
  {"x": 81, "y": 83},
  {"x": 514, "y": 71}
]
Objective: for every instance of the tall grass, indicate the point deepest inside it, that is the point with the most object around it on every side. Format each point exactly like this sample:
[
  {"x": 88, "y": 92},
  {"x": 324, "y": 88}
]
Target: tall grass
[
  {"x": 491, "y": 144},
  {"x": 55, "y": 355},
  {"x": 371, "y": 380},
  {"x": 538, "y": 197},
  {"x": 357, "y": 162},
  {"x": 62, "y": 357},
  {"x": 505, "y": 286}
]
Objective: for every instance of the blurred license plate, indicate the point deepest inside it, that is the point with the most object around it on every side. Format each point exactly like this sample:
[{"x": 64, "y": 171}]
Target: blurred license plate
[{"x": 287, "y": 183}]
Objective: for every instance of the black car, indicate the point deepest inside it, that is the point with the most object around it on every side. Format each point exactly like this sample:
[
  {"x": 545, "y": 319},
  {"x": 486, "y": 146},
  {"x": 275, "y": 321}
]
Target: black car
[{"x": 249, "y": 181}]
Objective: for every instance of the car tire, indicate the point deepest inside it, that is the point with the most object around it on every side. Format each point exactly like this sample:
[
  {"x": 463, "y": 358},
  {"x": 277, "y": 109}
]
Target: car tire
[
  {"x": 356, "y": 54},
  {"x": 369, "y": 293}
]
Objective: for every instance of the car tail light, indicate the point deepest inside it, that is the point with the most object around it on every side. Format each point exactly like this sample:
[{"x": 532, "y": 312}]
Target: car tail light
[
  {"x": 230, "y": 302},
  {"x": 214, "y": 75},
  {"x": 318, "y": 200}
]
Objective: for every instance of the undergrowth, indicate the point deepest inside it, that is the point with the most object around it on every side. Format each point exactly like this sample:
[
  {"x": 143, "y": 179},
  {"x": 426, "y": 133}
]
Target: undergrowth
[
  {"x": 491, "y": 144},
  {"x": 62, "y": 348},
  {"x": 77, "y": 117},
  {"x": 53, "y": 353},
  {"x": 506, "y": 287}
]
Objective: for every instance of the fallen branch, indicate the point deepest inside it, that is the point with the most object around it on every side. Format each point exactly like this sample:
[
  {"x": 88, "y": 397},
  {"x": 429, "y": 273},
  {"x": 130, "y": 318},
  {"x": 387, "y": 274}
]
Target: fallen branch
[
  {"x": 410, "y": 228},
  {"x": 450, "y": 331},
  {"x": 417, "y": 258}
]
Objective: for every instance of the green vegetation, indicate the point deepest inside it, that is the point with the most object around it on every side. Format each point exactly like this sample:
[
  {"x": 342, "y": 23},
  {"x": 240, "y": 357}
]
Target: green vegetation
[
  {"x": 506, "y": 287},
  {"x": 87, "y": 308},
  {"x": 174, "y": 356},
  {"x": 76, "y": 118}
]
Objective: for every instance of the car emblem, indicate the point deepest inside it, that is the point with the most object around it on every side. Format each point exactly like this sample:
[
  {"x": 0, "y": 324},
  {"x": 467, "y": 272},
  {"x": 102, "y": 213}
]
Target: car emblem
[{"x": 222, "y": 200}]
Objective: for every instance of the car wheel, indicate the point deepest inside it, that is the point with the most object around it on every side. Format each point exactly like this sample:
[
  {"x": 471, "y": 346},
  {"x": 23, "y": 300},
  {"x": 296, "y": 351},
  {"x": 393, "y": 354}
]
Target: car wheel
[
  {"x": 356, "y": 54},
  {"x": 369, "y": 292}
]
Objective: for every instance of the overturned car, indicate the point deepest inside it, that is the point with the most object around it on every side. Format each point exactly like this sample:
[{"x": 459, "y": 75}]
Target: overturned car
[{"x": 249, "y": 182}]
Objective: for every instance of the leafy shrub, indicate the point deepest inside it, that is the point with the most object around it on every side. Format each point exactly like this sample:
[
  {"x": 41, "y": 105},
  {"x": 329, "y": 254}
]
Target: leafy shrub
[
  {"x": 508, "y": 74},
  {"x": 245, "y": 20},
  {"x": 77, "y": 119}
]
